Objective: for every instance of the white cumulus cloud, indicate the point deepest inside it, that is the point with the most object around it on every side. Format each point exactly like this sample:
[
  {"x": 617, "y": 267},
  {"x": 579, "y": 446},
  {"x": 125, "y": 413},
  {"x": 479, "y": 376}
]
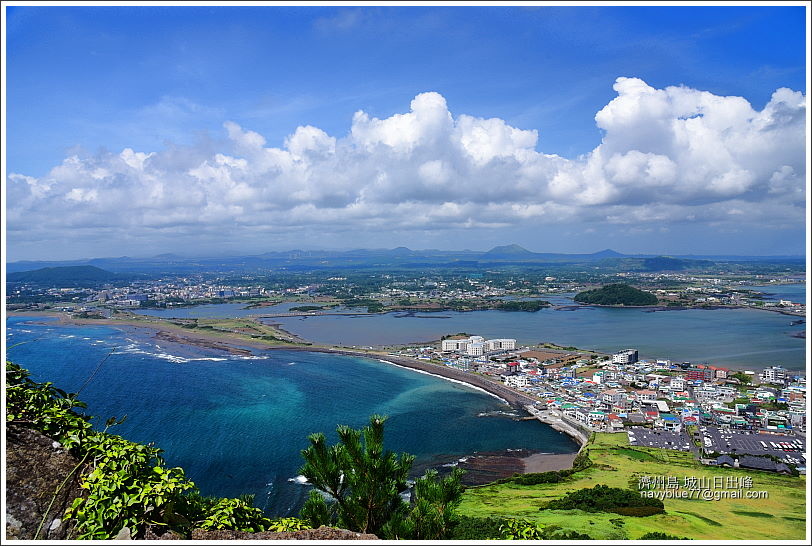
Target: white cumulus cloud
[{"x": 666, "y": 155}]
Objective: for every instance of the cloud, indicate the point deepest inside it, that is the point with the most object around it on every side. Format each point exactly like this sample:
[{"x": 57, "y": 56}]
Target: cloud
[{"x": 666, "y": 156}]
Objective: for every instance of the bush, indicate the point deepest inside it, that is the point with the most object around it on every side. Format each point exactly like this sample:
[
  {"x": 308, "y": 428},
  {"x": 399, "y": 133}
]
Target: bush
[
  {"x": 603, "y": 498},
  {"x": 521, "y": 529},
  {"x": 657, "y": 535},
  {"x": 473, "y": 528}
]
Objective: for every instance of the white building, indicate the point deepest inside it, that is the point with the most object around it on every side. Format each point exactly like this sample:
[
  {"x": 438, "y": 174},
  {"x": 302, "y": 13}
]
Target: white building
[
  {"x": 774, "y": 374},
  {"x": 475, "y": 349},
  {"x": 627, "y": 356},
  {"x": 455, "y": 344},
  {"x": 500, "y": 344},
  {"x": 678, "y": 383},
  {"x": 517, "y": 381},
  {"x": 477, "y": 345}
]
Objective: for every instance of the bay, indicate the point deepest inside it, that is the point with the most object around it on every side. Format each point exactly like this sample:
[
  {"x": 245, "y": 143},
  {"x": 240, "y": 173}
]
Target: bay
[
  {"x": 736, "y": 338},
  {"x": 236, "y": 424}
]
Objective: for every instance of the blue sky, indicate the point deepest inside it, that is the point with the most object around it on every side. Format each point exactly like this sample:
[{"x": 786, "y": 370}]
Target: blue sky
[{"x": 216, "y": 95}]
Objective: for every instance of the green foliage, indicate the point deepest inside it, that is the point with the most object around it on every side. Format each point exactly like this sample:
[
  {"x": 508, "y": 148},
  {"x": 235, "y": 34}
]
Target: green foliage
[
  {"x": 473, "y": 528},
  {"x": 603, "y": 498},
  {"x": 658, "y": 535},
  {"x": 521, "y": 529},
  {"x": 529, "y": 306},
  {"x": 431, "y": 514},
  {"x": 235, "y": 514},
  {"x": 363, "y": 482},
  {"x": 616, "y": 294},
  {"x": 742, "y": 377},
  {"x": 307, "y": 308},
  {"x": 127, "y": 486},
  {"x": 43, "y": 407}
]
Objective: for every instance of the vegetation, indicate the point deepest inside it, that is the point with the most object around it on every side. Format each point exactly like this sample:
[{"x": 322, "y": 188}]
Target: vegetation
[
  {"x": 615, "y": 467},
  {"x": 127, "y": 484},
  {"x": 364, "y": 482},
  {"x": 742, "y": 377},
  {"x": 64, "y": 276},
  {"x": 529, "y": 306},
  {"x": 307, "y": 308},
  {"x": 657, "y": 535},
  {"x": 616, "y": 294},
  {"x": 603, "y": 498}
]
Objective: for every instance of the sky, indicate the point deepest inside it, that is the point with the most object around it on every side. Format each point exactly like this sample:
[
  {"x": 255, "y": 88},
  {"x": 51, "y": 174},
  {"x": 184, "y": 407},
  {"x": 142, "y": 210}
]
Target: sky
[{"x": 240, "y": 130}]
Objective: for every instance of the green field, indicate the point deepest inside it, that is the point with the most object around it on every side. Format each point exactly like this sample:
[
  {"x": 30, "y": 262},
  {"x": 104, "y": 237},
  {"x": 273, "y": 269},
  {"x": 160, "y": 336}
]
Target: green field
[{"x": 780, "y": 516}]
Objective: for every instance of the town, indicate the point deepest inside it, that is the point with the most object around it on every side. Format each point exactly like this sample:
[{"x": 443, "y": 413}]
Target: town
[
  {"x": 393, "y": 291},
  {"x": 725, "y": 417}
]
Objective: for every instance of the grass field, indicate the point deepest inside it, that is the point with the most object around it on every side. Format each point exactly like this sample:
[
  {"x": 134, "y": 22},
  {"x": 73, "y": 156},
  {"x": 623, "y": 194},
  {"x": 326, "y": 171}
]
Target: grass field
[{"x": 779, "y": 516}]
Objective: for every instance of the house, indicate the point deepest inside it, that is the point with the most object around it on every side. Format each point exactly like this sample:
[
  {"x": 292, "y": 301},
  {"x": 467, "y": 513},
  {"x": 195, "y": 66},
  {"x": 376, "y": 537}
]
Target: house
[
  {"x": 725, "y": 460},
  {"x": 647, "y": 396},
  {"x": 668, "y": 422}
]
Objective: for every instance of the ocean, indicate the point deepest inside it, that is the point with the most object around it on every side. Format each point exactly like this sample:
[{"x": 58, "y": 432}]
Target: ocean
[{"x": 237, "y": 424}]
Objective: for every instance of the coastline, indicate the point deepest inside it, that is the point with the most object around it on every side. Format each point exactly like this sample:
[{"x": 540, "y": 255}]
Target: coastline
[{"x": 481, "y": 466}]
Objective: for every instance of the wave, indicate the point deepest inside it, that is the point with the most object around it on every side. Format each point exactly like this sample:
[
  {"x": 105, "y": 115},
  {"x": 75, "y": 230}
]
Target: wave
[
  {"x": 252, "y": 357},
  {"x": 497, "y": 413},
  {"x": 448, "y": 379},
  {"x": 299, "y": 479}
]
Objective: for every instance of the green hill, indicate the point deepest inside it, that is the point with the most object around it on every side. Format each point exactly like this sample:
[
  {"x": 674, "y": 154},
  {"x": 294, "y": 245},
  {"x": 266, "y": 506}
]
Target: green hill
[
  {"x": 62, "y": 276},
  {"x": 616, "y": 294}
]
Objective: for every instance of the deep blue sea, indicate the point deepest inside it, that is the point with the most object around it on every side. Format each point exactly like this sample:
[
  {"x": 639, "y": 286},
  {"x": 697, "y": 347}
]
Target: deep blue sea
[{"x": 237, "y": 424}]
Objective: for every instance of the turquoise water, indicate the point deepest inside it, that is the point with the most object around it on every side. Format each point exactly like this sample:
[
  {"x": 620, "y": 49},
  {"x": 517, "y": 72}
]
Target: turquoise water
[{"x": 237, "y": 424}]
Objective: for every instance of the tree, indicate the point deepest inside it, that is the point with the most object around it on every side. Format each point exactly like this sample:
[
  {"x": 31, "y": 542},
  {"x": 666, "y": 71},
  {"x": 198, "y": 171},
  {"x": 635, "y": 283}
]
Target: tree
[{"x": 363, "y": 483}]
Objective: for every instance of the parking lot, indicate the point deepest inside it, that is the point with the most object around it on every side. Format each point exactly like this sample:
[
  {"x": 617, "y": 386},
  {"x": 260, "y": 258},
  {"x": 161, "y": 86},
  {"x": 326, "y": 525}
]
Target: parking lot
[
  {"x": 789, "y": 449},
  {"x": 639, "y": 436}
]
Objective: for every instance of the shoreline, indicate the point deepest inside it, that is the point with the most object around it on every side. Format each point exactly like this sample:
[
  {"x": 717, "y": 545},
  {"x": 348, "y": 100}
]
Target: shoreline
[{"x": 487, "y": 464}]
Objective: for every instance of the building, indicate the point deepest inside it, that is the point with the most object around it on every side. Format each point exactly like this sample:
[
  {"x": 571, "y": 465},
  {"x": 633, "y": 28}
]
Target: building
[
  {"x": 517, "y": 381},
  {"x": 647, "y": 396},
  {"x": 627, "y": 356},
  {"x": 699, "y": 373},
  {"x": 774, "y": 374},
  {"x": 477, "y": 345}
]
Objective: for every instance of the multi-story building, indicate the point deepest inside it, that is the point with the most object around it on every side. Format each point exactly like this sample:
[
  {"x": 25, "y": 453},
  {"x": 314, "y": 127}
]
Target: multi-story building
[
  {"x": 627, "y": 356},
  {"x": 477, "y": 345},
  {"x": 774, "y": 374}
]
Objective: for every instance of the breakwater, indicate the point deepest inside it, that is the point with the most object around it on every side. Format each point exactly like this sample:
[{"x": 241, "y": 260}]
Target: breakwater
[{"x": 558, "y": 422}]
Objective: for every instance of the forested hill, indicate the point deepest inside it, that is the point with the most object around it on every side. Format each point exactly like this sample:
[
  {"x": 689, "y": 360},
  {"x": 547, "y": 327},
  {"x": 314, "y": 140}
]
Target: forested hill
[
  {"x": 64, "y": 276},
  {"x": 616, "y": 294}
]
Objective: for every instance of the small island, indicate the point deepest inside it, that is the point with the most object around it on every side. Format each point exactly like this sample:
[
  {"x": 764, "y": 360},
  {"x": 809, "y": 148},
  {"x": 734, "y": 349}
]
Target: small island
[
  {"x": 616, "y": 294},
  {"x": 527, "y": 306}
]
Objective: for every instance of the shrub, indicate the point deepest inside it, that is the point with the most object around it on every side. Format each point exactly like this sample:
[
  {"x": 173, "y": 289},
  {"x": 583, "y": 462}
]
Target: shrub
[
  {"x": 603, "y": 498},
  {"x": 658, "y": 535}
]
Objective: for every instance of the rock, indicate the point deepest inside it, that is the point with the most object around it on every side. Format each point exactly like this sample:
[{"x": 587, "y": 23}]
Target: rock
[
  {"x": 124, "y": 534},
  {"x": 322, "y": 533},
  {"x": 34, "y": 471}
]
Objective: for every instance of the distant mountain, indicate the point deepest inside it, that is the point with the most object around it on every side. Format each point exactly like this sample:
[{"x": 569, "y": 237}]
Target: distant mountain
[
  {"x": 508, "y": 250},
  {"x": 608, "y": 253},
  {"x": 63, "y": 276},
  {"x": 400, "y": 257}
]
